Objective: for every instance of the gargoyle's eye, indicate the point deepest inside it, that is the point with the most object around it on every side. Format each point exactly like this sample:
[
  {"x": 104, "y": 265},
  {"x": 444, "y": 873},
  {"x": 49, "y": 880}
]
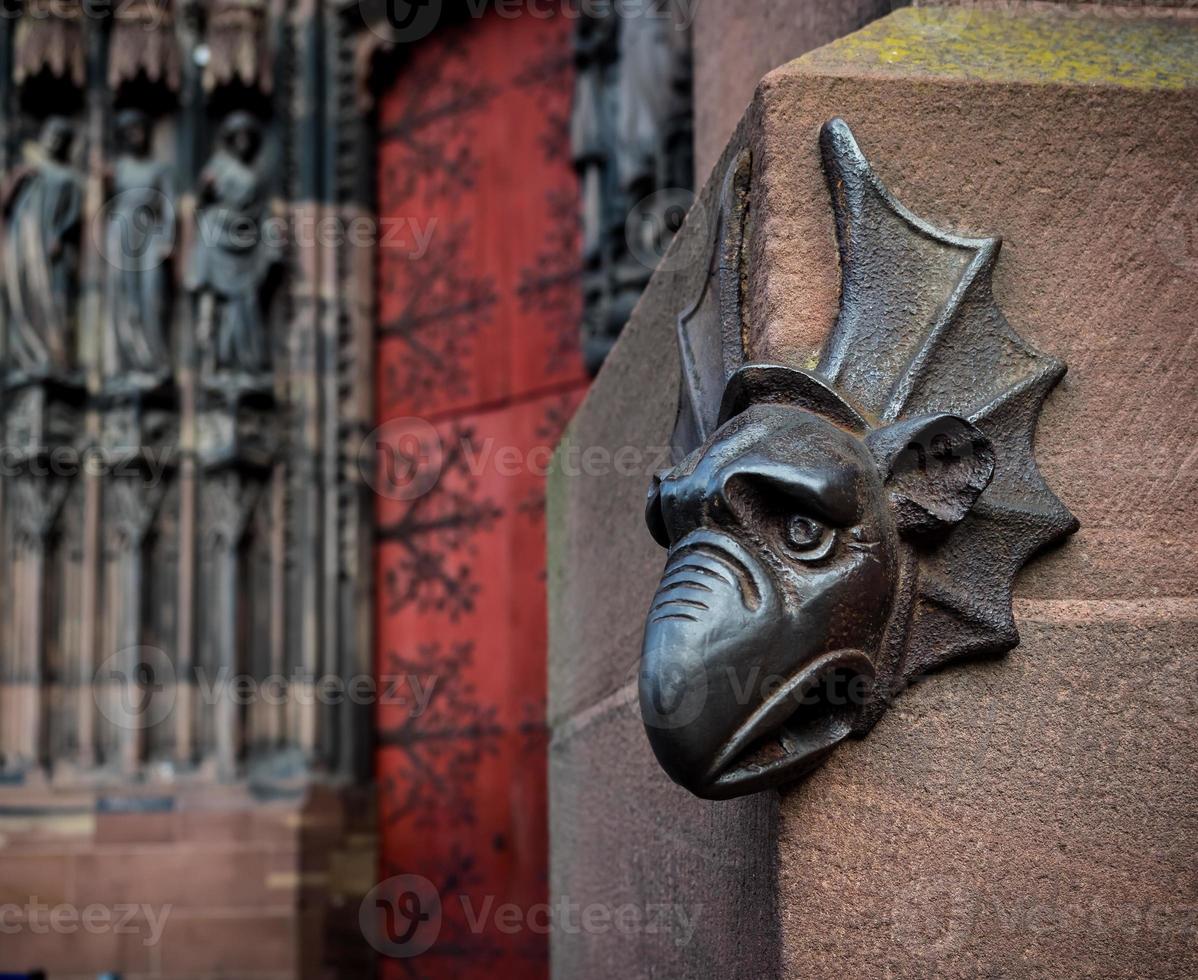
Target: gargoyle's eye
[{"x": 810, "y": 538}]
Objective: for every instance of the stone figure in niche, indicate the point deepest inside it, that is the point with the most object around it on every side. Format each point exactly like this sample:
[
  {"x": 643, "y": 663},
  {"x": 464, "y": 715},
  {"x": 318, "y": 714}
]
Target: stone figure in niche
[
  {"x": 838, "y": 528},
  {"x": 43, "y": 205},
  {"x": 632, "y": 148},
  {"x": 234, "y": 260},
  {"x": 646, "y": 99},
  {"x": 140, "y": 237}
]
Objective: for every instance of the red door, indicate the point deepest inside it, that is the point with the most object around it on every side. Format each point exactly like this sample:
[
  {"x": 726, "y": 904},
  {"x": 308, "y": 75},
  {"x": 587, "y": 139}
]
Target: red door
[{"x": 479, "y": 368}]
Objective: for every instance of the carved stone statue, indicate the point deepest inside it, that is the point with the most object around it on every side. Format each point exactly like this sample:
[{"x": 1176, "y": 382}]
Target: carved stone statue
[
  {"x": 42, "y": 210},
  {"x": 139, "y": 239},
  {"x": 653, "y": 67},
  {"x": 838, "y": 529},
  {"x": 632, "y": 148},
  {"x": 234, "y": 259}
]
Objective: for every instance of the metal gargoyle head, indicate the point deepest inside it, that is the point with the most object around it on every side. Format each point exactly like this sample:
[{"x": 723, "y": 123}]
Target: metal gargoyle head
[{"x": 835, "y": 532}]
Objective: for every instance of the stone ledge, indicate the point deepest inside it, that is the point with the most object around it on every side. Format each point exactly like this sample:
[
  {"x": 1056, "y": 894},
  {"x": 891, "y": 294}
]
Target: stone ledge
[{"x": 1046, "y": 44}]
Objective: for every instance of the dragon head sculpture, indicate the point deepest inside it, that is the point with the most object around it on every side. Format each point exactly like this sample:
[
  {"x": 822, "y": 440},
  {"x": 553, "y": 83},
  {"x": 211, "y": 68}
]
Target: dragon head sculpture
[{"x": 835, "y": 532}]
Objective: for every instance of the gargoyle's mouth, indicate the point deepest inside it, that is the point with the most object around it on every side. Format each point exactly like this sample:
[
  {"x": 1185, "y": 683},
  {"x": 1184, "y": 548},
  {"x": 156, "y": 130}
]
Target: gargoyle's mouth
[{"x": 792, "y": 731}]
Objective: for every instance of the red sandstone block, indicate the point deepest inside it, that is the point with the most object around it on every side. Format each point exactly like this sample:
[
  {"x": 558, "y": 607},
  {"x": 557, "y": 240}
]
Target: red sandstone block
[
  {"x": 233, "y": 944},
  {"x": 185, "y": 877},
  {"x": 1026, "y": 817},
  {"x": 136, "y": 828},
  {"x": 50, "y": 878},
  {"x": 1096, "y": 215},
  {"x": 736, "y": 43}
]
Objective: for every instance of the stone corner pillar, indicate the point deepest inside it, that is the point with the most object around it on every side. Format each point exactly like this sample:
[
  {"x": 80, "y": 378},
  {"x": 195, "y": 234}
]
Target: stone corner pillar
[{"x": 1028, "y": 815}]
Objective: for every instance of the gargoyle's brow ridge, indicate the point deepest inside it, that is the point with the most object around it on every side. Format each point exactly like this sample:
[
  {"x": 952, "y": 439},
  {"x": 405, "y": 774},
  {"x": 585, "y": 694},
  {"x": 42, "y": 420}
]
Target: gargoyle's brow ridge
[
  {"x": 826, "y": 492},
  {"x": 756, "y": 384}
]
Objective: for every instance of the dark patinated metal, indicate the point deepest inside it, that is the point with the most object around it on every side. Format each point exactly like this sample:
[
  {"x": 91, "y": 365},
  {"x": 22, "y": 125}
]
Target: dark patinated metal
[{"x": 833, "y": 533}]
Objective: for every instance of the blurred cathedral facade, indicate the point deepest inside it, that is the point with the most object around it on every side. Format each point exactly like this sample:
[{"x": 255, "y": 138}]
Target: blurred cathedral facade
[{"x": 249, "y": 247}]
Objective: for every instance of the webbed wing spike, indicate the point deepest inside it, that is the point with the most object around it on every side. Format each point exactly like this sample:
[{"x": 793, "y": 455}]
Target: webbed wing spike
[
  {"x": 711, "y": 338},
  {"x": 976, "y": 277},
  {"x": 902, "y": 281}
]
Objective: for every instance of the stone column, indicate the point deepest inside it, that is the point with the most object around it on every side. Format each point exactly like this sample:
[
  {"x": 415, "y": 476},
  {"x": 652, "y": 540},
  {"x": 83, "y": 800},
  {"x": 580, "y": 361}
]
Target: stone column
[
  {"x": 1024, "y": 816},
  {"x": 41, "y": 430},
  {"x": 235, "y": 452},
  {"x": 36, "y": 505}
]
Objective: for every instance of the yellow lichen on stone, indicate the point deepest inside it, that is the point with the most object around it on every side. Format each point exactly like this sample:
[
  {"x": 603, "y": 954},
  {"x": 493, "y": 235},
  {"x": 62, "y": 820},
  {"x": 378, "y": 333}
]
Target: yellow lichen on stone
[{"x": 1022, "y": 44}]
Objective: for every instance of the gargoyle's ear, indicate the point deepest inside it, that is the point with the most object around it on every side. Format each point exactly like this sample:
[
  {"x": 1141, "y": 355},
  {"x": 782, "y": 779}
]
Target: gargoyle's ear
[{"x": 935, "y": 468}]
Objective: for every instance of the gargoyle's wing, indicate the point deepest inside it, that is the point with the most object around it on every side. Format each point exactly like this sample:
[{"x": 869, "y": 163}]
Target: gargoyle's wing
[
  {"x": 710, "y": 330},
  {"x": 919, "y": 332}
]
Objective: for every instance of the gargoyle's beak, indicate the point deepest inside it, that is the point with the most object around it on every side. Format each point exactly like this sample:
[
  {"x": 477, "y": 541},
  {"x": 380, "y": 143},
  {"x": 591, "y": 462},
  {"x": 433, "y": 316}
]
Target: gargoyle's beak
[
  {"x": 792, "y": 731},
  {"x": 726, "y": 707},
  {"x": 782, "y": 737}
]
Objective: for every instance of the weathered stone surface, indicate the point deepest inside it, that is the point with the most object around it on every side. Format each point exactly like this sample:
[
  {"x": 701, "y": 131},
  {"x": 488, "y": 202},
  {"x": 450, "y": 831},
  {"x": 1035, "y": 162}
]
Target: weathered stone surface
[
  {"x": 1034, "y": 815},
  {"x": 603, "y": 566},
  {"x": 735, "y": 44},
  {"x": 676, "y": 886},
  {"x": 622, "y": 835},
  {"x": 1028, "y": 817}
]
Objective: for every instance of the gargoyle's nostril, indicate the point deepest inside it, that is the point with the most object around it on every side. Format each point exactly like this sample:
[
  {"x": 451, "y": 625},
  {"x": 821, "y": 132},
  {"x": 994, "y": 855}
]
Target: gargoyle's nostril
[
  {"x": 655, "y": 514},
  {"x": 697, "y": 569},
  {"x": 672, "y": 601},
  {"x": 718, "y": 565}
]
